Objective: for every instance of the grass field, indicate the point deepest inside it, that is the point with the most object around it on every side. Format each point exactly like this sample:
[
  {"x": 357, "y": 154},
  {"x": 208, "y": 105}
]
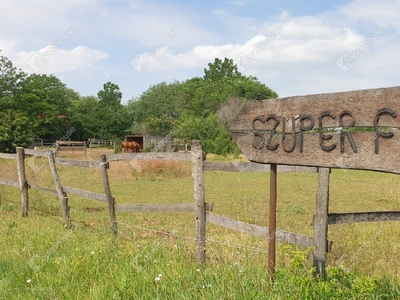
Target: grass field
[{"x": 153, "y": 255}]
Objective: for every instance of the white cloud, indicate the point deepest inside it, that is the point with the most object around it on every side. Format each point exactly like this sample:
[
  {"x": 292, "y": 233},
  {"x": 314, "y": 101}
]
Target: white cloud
[
  {"x": 50, "y": 60},
  {"x": 380, "y": 13},
  {"x": 300, "y": 59}
]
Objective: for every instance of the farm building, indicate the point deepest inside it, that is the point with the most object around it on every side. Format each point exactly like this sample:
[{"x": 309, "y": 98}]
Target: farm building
[{"x": 157, "y": 143}]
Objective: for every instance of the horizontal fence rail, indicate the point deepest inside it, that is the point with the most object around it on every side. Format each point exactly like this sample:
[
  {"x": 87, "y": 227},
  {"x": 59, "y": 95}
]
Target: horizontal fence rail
[
  {"x": 253, "y": 167},
  {"x": 340, "y": 218},
  {"x": 79, "y": 163},
  {"x": 149, "y": 156},
  {"x": 9, "y": 182},
  {"x": 86, "y": 194},
  {"x": 42, "y": 189},
  {"x": 261, "y": 231},
  {"x": 8, "y": 155},
  {"x": 40, "y": 153},
  {"x": 172, "y": 207}
]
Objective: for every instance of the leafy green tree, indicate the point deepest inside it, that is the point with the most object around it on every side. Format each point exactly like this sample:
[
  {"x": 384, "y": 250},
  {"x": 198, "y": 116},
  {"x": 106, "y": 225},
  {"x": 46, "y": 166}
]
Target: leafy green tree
[
  {"x": 221, "y": 70},
  {"x": 10, "y": 78},
  {"x": 15, "y": 131},
  {"x": 110, "y": 95},
  {"x": 192, "y": 107},
  {"x": 111, "y": 117},
  {"x": 214, "y": 136},
  {"x": 44, "y": 99},
  {"x": 84, "y": 117}
]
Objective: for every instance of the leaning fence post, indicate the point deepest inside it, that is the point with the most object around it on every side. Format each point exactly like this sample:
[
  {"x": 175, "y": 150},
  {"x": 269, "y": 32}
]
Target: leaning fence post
[
  {"x": 321, "y": 222},
  {"x": 199, "y": 198},
  {"x": 107, "y": 191},
  {"x": 61, "y": 195},
  {"x": 23, "y": 183}
]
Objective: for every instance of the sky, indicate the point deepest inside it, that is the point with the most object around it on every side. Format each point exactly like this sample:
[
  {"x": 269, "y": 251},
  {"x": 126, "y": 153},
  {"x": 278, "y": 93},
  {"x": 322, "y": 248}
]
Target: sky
[{"x": 294, "y": 47}]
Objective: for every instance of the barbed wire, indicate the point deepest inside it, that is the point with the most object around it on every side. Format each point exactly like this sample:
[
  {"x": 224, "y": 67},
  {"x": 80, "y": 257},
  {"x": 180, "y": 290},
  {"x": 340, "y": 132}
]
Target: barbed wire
[{"x": 233, "y": 245}]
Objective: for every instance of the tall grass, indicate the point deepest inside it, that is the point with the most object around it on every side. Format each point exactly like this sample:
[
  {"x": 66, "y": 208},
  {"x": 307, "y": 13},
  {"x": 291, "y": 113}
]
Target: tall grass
[{"x": 153, "y": 255}]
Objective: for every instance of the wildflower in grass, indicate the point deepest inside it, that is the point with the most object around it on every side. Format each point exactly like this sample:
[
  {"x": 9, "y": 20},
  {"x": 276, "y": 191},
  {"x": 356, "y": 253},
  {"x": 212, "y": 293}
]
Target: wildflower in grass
[
  {"x": 29, "y": 280},
  {"x": 158, "y": 278},
  {"x": 92, "y": 252},
  {"x": 198, "y": 270}
]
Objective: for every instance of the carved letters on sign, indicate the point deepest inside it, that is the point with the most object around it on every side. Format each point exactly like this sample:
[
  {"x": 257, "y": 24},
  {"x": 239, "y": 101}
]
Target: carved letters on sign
[
  {"x": 352, "y": 130},
  {"x": 263, "y": 138}
]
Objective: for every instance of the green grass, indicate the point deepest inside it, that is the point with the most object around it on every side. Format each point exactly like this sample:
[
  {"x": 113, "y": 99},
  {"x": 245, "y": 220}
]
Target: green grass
[{"x": 42, "y": 260}]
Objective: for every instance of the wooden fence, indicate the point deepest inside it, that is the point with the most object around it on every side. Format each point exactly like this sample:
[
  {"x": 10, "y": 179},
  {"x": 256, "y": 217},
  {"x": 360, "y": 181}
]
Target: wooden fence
[
  {"x": 202, "y": 210},
  {"x": 61, "y": 191},
  {"x": 74, "y": 146}
]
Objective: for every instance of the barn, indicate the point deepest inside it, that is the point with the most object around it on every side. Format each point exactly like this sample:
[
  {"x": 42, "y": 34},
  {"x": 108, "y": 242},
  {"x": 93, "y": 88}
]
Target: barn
[
  {"x": 138, "y": 138},
  {"x": 150, "y": 142}
]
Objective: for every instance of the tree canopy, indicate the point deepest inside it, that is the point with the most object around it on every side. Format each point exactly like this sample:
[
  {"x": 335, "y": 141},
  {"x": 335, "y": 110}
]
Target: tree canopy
[
  {"x": 41, "y": 106},
  {"x": 189, "y": 109}
]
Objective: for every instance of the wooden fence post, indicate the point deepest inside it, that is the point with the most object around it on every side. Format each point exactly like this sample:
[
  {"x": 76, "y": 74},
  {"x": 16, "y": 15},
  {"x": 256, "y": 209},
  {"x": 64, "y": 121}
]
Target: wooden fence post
[
  {"x": 107, "y": 191},
  {"x": 199, "y": 199},
  {"x": 23, "y": 183},
  {"x": 61, "y": 195},
  {"x": 272, "y": 221},
  {"x": 321, "y": 222}
]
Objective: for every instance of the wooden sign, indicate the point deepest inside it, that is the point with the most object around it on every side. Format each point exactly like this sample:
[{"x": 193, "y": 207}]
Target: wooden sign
[{"x": 351, "y": 130}]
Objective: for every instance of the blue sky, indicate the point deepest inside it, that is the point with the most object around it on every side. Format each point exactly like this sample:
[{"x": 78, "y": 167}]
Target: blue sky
[{"x": 294, "y": 47}]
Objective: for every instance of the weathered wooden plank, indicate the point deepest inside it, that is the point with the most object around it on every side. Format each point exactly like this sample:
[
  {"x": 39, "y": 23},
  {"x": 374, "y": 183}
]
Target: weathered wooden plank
[
  {"x": 79, "y": 163},
  {"x": 71, "y": 148},
  {"x": 253, "y": 167},
  {"x": 41, "y": 153},
  {"x": 199, "y": 200},
  {"x": 8, "y": 155},
  {"x": 9, "y": 182},
  {"x": 261, "y": 231},
  {"x": 42, "y": 189},
  {"x": 71, "y": 143},
  {"x": 86, "y": 194},
  {"x": 264, "y": 130},
  {"x": 364, "y": 105},
  {"x": 321, "y": 222},
  {"x": 170, "y": 207},
  {"x": 372, "y": 216},
  {"x": 185, "y": 156},
  {"x": 387, "y": 160}
]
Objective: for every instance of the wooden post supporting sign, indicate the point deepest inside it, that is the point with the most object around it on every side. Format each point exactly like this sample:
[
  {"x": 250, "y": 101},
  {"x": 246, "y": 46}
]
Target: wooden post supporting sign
[
  {"x": 324, "y": 131},
  {"x": 321, "y": 222},
  {"x": 272, "y": 221}
]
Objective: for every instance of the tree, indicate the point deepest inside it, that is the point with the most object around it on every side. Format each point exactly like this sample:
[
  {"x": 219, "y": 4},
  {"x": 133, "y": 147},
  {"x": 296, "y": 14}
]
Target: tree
[
  {"x": 10, "y": 78},
  {"x": 222, "y": 69},
  {"x": 112, "y": 118},
  {"x": 84, "y": 117},
  {"x": 191, "y": 107},
  {"x": 44, "y": 99},
  {"x": 110, "y": 95},
  {"x": 213, "y": 135},
  {"x": 15, "y": 131}
]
